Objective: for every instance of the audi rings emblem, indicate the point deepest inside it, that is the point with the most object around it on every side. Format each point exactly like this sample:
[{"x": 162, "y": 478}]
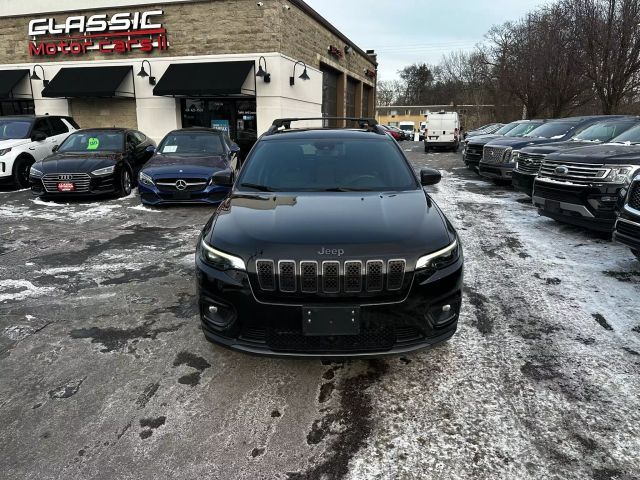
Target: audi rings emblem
[
  {"x": 181, "y": 184},
  {"x": 65, "y": 177}
]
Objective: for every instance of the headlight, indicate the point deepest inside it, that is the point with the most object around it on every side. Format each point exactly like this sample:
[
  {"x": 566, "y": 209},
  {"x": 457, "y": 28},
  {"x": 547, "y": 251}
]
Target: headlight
[
  {"x": 145, "y": 179},
  {"x": 34, "y": 172},
  {"x": 4, "y": 151},
  {"x": 219, "y": 259},
  {"x": 441, "y": 258},
  {"x": 515, "y": 155},
  {"x": 104, "y": 171},
  {"x": 620, "y": 173}
]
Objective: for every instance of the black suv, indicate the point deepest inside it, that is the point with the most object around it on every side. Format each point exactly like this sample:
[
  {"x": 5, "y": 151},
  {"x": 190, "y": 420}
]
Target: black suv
[
  {"x": 627, "y": 228},
  {"x": 500, "y": 156},
  {"x": 581, "y": 186},
  {"x": 472, "y": 153},
  {"x": 531, "y": 158},
  {"x": 328, "y": 246}
]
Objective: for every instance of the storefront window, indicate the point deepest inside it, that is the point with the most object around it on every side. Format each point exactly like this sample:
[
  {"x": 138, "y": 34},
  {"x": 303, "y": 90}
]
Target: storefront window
[
  {"x": 329, "y": 92},
  {"x": 17, "y": 107}
]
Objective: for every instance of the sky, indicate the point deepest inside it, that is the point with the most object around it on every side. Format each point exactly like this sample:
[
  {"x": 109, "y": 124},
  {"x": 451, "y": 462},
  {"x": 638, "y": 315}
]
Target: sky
[{"x": 412, "y": 31}]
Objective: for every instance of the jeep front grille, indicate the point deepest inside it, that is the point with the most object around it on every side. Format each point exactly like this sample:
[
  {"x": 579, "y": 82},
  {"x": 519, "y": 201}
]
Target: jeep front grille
[
  {"x": 81, "y": 181},
  {"x": 575, "y": 172},
  {"x": 530, "y": 163},
  {"x": 330, "y": 277},
  {"x": 494, "y": 154}
]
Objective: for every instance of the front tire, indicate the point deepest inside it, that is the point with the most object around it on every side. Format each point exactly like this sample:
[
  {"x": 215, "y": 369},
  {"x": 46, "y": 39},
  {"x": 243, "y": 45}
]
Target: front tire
[
  {"x": 126, "y": 183},
  {"x": 21, "y": 168}
]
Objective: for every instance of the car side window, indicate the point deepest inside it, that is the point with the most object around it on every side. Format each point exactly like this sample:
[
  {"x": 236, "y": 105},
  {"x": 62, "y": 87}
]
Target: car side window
[
  {"x": 42, "y": 125},
  {"x": 140, "y": 136},
  {"x": 58, "y": 127},
  {"x": 132, "y": 140}
]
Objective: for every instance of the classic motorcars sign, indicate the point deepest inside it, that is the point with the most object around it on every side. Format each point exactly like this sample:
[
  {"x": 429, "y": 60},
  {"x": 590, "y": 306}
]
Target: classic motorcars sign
[{"x": 81, "y": 34}]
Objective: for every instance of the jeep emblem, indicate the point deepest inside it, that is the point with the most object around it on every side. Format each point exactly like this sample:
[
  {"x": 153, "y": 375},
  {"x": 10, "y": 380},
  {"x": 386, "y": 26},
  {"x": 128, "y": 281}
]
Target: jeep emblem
[
  {"x": 562, "y": 170},
  {"x": 331, "y": 251}
]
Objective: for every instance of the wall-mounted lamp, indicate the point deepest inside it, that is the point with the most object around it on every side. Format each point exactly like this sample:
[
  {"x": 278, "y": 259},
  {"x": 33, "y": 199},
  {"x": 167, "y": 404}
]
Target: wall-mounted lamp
[
  {"x": 34, "y": 75},
  {"x": 263, "y": 73},
  {"x": 304, "y": 76},
  {"x": 347, "y": 49},
  {"x": 143, "y": 73}
]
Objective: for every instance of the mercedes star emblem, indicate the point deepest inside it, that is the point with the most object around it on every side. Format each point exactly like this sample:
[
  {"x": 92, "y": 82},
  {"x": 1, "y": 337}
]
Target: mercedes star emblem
[{"x": 181, "y": 184}]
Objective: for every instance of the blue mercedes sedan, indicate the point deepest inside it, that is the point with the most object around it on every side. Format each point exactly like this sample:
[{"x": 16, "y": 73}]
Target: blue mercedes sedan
[{"x": 181, "y": 169}]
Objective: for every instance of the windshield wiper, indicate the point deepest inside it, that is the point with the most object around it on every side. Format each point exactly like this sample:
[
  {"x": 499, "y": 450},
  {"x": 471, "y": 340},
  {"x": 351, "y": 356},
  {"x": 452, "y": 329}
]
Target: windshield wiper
[
  {"x": 256, "y": 186},
  {"x": 346, "y": 189}
]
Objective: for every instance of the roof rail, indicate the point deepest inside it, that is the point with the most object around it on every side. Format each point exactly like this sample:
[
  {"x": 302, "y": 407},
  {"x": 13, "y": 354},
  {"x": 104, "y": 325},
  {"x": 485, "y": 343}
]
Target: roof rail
[{"x": 280, "y": 124}]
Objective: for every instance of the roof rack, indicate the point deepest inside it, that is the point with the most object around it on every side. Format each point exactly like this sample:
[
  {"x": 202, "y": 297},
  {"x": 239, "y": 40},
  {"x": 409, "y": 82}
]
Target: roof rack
[{"x": 281, "y": 124}]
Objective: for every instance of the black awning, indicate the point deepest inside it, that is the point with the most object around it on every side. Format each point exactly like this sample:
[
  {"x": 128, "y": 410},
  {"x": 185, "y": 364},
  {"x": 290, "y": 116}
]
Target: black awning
[
  {"x": 204, "y": 79},
  {"x": 89, "y": 82},
  {"x": 9, "y": 79}
]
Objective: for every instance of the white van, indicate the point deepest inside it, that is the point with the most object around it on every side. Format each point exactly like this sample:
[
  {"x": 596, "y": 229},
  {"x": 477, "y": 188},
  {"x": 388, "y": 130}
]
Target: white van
[
  {"x": 408, "y": 128},
  {"x": 442, "y": 130}
]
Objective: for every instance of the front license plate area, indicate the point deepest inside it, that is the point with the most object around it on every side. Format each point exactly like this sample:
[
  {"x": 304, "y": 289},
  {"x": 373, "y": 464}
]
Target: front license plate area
[
  {"x": 66, "y": 187},
  {"x": 327, "y": 321},
  {"x": 182, "y": 195},
  {"x": 552, "y": 206}
]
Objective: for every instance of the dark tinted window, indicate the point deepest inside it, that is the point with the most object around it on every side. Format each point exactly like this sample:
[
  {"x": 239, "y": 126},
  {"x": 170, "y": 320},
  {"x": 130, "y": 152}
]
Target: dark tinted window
[
  {"x": 42, "y": 125},
  {"x": 93, "y": 141},
  {"x": 192, "y": 143},
  {"x": 140, "y": 136},
  {"x": 133, "y": 140},
  {"x": 551, "y": 130},
  {"x": 506, "y": 128},
  {"x": 321, "y": 164},
  {"x": 523, "y": 129},
  {"x": 630, "y": 136},
  {"x": 13, "y": 129},
  {"x": 57, "y": 126},
  {"x": 602, "y": 132}
]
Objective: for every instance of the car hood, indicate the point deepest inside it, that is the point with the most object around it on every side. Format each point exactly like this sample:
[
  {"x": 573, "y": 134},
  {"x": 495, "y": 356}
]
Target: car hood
[
  {"x": 607, "y": 153},
  {"x": 77, "y": 162},
  {"x": 173, "y": 165},
  {"x": 482, "y": 139},
  {"x": 297, "y": 226},
  {"x": 516, "y": 143},
  {"x": 10, "y": 143},
  {"x": 546, "y": 148}
]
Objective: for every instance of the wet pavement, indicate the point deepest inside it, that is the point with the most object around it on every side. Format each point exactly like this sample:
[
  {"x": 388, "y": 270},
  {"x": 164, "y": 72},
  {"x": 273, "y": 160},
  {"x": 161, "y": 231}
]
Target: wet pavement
[{"x": 104, "y": 372}]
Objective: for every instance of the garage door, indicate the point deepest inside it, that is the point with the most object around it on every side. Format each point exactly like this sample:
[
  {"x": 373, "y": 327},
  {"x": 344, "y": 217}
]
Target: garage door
[{"x": 104, "y": 112}]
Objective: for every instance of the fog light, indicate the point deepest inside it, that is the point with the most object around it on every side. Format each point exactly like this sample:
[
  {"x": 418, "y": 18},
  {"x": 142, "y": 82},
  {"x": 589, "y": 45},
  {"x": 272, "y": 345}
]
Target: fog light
[
  {"x": 443, "y": 313},
  {"x": 446, "y": 308},
  {"x": 213, "y": 309},
  {"x": 219, "y": 316}
]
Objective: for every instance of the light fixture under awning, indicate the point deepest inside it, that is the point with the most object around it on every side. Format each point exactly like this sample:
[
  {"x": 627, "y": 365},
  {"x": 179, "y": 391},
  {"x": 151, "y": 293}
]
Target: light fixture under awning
[
  {"x": 211, "y": 79},
  {"x": 91, "y": 82},
  {"x": 9, "y": 80}
]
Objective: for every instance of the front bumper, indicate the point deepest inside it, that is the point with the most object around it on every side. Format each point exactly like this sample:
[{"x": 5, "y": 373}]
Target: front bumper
[
  {"x": 523, "y": 182},
  {"x": 496, "y": 172},
  {"x": 449, "y": 144},
  {"x": 97, "y": 186},
  {"x": 152, "y": 195},
  {"x": 627, "y": 228},
  {"x": 589, "y": 206},
  {"x": 257, "y": 327}
]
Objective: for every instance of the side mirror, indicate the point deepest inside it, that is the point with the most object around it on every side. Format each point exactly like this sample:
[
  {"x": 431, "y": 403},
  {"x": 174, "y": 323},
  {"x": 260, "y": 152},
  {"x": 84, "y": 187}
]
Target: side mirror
[
  {"x": 150, "y": 149},
  {"x": 429, "y": 176},
  {"x": 38, "y": 136},
  {"x": 223, "y": 178},
  {"x": 235, "y": 148},
  {"x": 55, "y": 148}
]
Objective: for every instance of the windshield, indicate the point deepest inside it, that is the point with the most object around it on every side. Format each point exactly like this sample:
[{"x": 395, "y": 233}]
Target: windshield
[
  {"x": 407, "y": 127},
  {"x": 507, "y": 128},
  {"x": 321, "y": 164},
  {"x": 192, "y": 144},
  {"x": 551, "y": 130},
  {"x": 13, "y": 129},
  {"x": 630, "y": 136},
  {"x": 602, "y": 132},
  {"x": 94, "y": 141},
  {"x": 522, "y": 129}
]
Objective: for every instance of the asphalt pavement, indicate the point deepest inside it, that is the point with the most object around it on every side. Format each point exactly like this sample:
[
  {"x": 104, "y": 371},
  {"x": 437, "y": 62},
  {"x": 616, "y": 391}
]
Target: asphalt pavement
[{"x": 104, "y": 372}]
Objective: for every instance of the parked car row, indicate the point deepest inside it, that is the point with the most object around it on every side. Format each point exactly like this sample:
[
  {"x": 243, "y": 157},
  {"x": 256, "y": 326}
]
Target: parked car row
[
  {"x": 56, "y": 159},
  {"x": 582, "y": 171}
]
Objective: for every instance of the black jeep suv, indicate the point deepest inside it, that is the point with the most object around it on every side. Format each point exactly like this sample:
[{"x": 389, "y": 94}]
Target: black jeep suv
[
  {"x": 581, "y": 186},
  {"x": 531, "y": 158},
  {"x": 627, "y": 228},
  {"x": 328, "y": 246}
]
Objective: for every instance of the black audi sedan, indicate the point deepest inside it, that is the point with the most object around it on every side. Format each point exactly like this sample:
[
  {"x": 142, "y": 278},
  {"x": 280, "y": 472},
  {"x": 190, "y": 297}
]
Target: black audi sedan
[
  {"x": 182, "y": 167},
  {"x": 92, "y": 162},
  {"x": 328, "y": 245}
]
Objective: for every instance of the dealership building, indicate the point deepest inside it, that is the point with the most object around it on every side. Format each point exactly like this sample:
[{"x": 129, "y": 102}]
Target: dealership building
[{"x": 230, "y": 64}]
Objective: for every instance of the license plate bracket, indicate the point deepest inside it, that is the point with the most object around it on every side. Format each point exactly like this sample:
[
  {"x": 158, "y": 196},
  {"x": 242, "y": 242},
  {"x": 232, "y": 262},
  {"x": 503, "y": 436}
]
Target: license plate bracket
[
  {"x": 182, "y": 195},
  {"x": 552, "y": 206},
  {"x": 329, "y": 321}
]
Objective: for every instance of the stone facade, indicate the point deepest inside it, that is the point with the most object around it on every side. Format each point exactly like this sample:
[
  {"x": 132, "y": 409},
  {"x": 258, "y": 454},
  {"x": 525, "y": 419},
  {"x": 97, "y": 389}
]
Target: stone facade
[{"x": 104, "y": 112}]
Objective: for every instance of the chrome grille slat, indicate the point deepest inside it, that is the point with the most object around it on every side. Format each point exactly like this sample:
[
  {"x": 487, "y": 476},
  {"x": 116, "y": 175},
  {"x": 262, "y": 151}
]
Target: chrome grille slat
[
  {"x": 634, "y": 196},
  {"x": 395, "y": 274},
  {"x": 331, "y": 277},
  {"x": 81, "y": 181},
  {"x": 493, "y": 154},
  {"x": 579, "y": 172},
  {"x": 287, "y": 276},
  {"x": 530, "y": 162}
]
